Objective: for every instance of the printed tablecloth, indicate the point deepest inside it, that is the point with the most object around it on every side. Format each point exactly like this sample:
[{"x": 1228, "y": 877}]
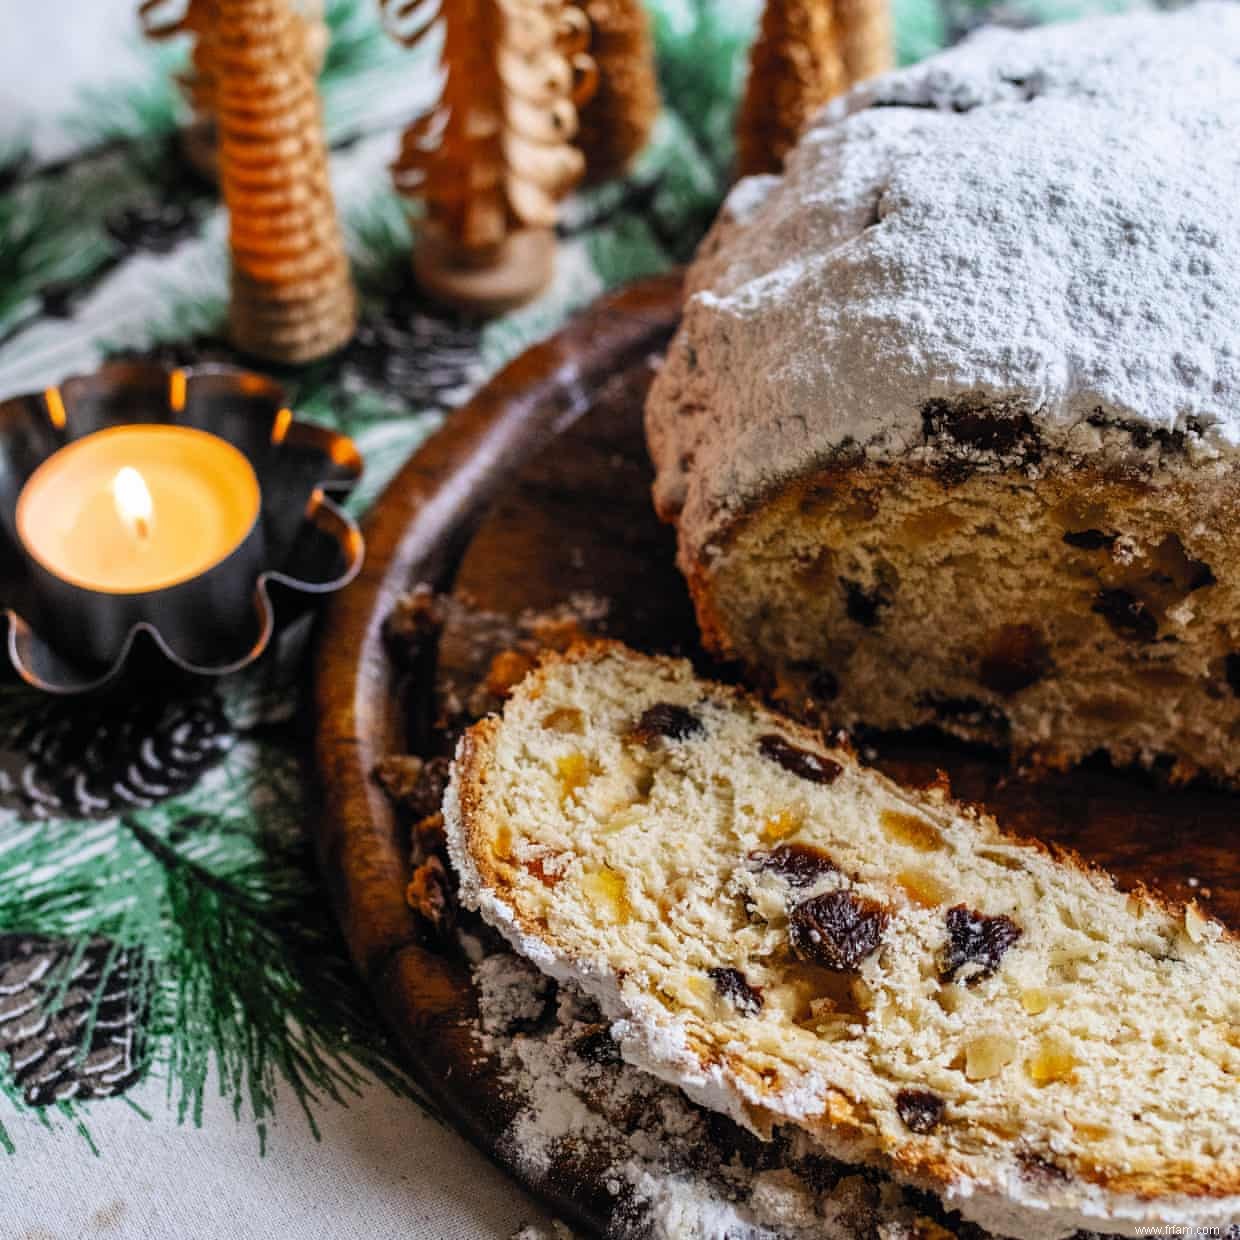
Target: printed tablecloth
[{"x": 184, "y": 1050}]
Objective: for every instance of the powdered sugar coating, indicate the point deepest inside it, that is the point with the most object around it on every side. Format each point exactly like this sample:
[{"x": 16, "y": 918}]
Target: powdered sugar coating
[{"x": 1049, "y": 220}]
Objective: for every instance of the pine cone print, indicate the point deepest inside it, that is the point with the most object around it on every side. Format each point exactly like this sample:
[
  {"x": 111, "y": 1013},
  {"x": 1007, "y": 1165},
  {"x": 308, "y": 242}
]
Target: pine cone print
[
  {"x": 412, "y": 357},
  {"x": 80, "y": 761},
  {"x": 89, "y": 1042}
]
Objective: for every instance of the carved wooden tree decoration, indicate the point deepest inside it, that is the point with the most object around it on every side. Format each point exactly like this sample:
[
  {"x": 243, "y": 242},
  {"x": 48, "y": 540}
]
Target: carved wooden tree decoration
[
  {"x": 490, "y": 162},
  {"x": 616, "y": 122},
  {"x": 292, "y": 297},
  {"x": 865, "y": 37},
  {"x": 165, "y": 19},
  {"x": 806, "y": 52}
]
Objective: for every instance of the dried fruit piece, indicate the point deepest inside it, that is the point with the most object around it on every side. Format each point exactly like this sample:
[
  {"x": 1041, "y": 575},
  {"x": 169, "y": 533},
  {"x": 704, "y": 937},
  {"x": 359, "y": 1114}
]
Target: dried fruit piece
[
  {"x": 967, "y": 420},
  {"x": 910, "y": 829},
  {"x": 801, "y": 762},
  {"x": 824, "y": 686},
  {"x": 923, "y": 888},
  {"x": 507, "y": 670},
  {"x": 920, "y": 1110},
  {"x": 567, "y": 719},
  {"x": 666, "y": 719},
  {"x": 863, "y": 606},
  {"x": 430, "y": 896},
  {"x": 1053, "y": 1061},
  {"x": 1232, "y": 672},
  {"x": 1126, "y": 614},
  {"x": 1017, "y": 658},
  {"x": 1036, "y": 1167},
  {"x": 973, "y": 939},
  {"x": 781, "y": 824},
  {"x": 799, "y": 864},
  {"x": 1035, "y": 1001},
  {"x": 1089, "y": 540},
  {"x": 987, "y": 1055},
  {"x": 573, "y": 770},
  {"x": 733, "y": 986},
  {"x": 837, "y": 930},
  {"x": 608, "y": 890}
]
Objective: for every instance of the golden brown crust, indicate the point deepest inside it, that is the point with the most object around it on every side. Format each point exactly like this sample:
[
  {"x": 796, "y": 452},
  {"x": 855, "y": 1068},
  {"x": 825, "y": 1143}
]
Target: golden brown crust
[{"x": 914, "y": 1159}]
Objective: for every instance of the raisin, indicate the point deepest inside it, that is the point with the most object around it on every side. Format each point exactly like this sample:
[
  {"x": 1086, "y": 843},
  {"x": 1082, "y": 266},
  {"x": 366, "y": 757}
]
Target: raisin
[
  {"x": 1090, "y": 540},
  {"x": 799, "y": 864},
  {"x": 677, "y": 723},
  {"x": 1038, "y": 1168},
  {"x": 975, "y": 939},
  {"x": 733, "y": 986},
  {"x": 1126, "y": 614},
  {"x": 970, "y": 712},
  {"x": 824, "y": 686},
  {"x": 803, "y": 762},
  {"x": 837, "y": 930},
  {"x": 972, "y": 423},
  {"x": 1200, "y": 576},
  {"x": 1017, "y": 658},
  {"x": 920, "y": 1110},
  {"x": 863, "y": 606},
  {"x": 1232, "y": 670}
]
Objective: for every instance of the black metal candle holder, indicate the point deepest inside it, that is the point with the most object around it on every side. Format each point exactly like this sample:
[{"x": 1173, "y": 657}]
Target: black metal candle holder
[{"x": 64, "y": 639}]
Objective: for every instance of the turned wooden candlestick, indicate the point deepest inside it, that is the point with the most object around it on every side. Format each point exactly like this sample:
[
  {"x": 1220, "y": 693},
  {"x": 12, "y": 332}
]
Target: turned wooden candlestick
[{"x": 292, "y": 296}]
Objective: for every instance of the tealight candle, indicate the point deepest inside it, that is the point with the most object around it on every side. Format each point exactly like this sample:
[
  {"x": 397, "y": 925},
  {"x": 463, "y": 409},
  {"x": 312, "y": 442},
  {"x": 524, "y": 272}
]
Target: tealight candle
[
  {"x": 143, "y": 514},
  {"x": 138, "y": 508}
]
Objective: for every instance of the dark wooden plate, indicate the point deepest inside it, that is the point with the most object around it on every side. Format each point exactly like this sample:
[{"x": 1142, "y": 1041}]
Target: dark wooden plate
[{"x": 535, "y": 492}]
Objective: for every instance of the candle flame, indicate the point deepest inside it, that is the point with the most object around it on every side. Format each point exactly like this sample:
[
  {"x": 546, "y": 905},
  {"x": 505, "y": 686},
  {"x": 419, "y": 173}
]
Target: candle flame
[{"x": 133, "y": 502}]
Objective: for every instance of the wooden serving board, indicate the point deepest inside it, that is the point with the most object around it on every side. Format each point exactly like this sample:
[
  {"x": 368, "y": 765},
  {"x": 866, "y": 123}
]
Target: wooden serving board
[{"x": 538, "y": 491}]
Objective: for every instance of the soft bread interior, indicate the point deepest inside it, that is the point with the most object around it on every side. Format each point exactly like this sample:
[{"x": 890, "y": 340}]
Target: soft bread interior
[
  {"x": 1061, "y": 615},
  {"x": 643, "y": 826}
]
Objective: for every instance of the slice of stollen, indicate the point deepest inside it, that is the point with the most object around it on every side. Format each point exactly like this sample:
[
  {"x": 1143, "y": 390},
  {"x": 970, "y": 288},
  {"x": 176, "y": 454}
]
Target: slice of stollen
[{"x": 793, "y": 938}]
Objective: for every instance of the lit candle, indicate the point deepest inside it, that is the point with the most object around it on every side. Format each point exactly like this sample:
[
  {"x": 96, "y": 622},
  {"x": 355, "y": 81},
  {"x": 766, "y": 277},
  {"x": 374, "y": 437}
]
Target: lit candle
[
  {"x": 137, "y": 508},
  {"x": 142, "y": 514}
]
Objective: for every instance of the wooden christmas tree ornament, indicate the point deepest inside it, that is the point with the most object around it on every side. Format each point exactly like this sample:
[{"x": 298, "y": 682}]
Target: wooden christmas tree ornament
[
  {"x": 616, "y": 123},
  {"x": 489, "y": 163},
  {"x": 865, "y": 37},
  {"x": 292, "y": 296},
  {"x": 166, "y": 19},
  {"x": 806, "y": 52}
]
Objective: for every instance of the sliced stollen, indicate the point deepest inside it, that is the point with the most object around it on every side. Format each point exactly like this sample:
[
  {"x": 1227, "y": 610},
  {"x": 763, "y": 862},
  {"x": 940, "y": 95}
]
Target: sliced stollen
[{"x": 792, "y": 937}]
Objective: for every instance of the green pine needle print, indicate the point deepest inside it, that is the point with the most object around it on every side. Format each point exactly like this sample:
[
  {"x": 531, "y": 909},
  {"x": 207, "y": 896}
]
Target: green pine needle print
[{"x": 254, "y": 986}]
